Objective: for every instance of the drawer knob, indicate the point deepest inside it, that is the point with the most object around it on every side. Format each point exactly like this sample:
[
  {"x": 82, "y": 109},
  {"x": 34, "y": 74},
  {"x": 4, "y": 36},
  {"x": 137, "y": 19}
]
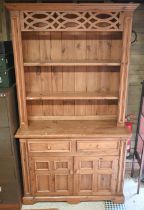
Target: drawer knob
[{"x": 49, "y": 147}]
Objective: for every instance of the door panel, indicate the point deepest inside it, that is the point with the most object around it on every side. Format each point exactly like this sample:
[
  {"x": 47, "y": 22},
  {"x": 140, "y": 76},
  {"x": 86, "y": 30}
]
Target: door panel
[
  {"x": 95, "y": 175},
  {"x": 61, "y": 183},
  {"x": 86, "y": 183},
  {"x": 43, "y": 183},
  {"x": 104, "y": 182}
]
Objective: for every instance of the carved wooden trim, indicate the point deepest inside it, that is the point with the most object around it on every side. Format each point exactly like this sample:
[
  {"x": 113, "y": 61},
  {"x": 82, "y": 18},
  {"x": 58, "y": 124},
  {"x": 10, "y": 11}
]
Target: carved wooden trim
[
  {"x": 67, "y": 21},
  {"x": 19, "y": 70},
  {"x": 124, "y": 68}
]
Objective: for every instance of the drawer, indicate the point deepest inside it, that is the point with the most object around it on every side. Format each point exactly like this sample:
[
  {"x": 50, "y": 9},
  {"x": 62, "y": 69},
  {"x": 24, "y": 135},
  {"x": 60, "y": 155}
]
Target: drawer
[
  {"x": 50, "y": 146},
  {"x": 105, "y": 147}
]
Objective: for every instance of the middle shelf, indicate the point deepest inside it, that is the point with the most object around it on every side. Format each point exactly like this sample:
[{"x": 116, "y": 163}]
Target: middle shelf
[
  {"x": 73, "y": 96},
  {"x": 88, "y": 62}
]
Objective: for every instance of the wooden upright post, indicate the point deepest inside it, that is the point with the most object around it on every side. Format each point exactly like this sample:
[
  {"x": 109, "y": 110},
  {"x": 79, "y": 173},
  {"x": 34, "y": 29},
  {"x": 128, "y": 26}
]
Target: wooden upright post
[
  {"x": 19, "y": 69},
  {"x": 124, "y": 67}
]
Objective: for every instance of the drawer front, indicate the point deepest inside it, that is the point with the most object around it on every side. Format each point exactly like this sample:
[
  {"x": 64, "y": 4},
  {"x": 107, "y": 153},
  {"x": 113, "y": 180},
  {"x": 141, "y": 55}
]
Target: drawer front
[
  {"x": 49, "y": 146},
  {"x": 104, "y": 147}
]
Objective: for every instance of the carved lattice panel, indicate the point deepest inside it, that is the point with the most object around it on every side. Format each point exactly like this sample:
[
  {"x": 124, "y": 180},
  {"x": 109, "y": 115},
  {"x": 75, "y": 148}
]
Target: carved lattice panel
[{"x": 71, "y": 21}]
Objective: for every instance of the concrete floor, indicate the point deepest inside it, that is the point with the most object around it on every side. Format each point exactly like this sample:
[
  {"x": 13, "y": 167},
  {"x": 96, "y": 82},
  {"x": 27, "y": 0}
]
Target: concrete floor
[{"x": 132, "y": 200}]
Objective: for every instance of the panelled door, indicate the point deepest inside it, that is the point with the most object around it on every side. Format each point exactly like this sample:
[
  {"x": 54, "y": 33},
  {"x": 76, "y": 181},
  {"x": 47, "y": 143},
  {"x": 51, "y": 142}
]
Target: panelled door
[
  {"x": 52, "y": 175},
  {"x": 95, "y": 175}
]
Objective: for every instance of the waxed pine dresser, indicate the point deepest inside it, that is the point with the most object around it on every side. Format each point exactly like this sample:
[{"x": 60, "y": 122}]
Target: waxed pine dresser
[{"x": 71, "y": 64}]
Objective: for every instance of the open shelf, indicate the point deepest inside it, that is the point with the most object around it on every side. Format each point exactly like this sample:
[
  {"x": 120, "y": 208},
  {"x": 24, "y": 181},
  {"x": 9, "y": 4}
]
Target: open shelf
[
  {"x": 73, "y": 96},
  {"x": 104, "y": 62}
]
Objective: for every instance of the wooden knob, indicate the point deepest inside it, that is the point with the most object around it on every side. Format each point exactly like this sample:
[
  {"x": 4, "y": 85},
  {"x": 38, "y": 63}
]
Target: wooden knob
[{"x": 49, "y": 147}]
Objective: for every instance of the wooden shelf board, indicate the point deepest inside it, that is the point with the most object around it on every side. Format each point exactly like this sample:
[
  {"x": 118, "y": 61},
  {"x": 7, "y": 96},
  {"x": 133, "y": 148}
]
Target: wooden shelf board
[
  {"x": 74, "y": 63},
  {"x": 72, "y": 128},
  {"x": 73, "y": 96},
  {"x": 74, "y": 118}
]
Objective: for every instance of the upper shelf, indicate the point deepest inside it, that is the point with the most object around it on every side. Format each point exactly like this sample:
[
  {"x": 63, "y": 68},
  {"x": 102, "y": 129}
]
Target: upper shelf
[
  {"x": 74, "y": 63},
  {"x": 73, "y": 96}
]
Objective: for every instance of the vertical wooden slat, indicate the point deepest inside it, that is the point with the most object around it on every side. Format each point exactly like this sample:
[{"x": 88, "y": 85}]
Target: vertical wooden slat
[
  {"x": 68, "y": 72},
  {"x": 80, "y": 72},
  {"x": 46, "y": 72},
  {"x": 124, "y": 68},
  {"x": 121, "y": 168},
  {"x": 92, "y": 75},
  {"x": 56, "y": 72},
  {"x": 19, "y": 69}
]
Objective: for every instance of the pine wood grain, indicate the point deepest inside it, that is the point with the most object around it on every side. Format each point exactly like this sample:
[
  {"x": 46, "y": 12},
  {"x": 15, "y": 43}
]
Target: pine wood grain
[
  {"x": 79, "y": 128},
  {"x": 72, "y": 80}
]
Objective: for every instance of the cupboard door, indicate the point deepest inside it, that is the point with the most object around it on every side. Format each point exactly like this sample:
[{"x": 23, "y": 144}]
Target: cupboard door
[
  {"x": 95, "y": 175},
  {"x": 107, "y": 175},
  {"x": 41, "y": 176},
  {"x": 63, "y": 175},
  {"x": 52, "y": 175},
  {"x": 85, "y": 176}
]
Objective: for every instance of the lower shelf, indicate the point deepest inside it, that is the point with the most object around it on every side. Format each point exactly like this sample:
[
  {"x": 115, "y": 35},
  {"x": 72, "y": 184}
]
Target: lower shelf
[{"x": 73, "y": 96}]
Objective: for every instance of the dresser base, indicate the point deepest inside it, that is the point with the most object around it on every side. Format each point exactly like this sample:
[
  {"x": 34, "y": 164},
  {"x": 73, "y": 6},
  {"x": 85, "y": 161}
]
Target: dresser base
[{"x": 73, "y": 199}]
